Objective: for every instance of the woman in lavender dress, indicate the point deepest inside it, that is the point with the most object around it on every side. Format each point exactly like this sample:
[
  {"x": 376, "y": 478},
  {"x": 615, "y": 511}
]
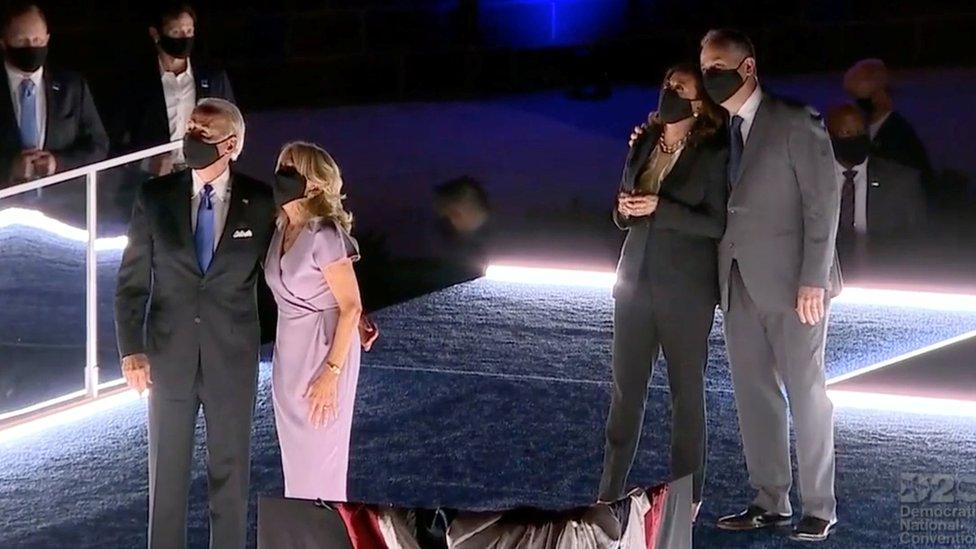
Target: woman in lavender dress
[{"x": 317, "y": 348}]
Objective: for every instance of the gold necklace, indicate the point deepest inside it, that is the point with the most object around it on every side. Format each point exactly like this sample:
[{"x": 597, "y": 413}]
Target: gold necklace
[{"x": 671, "y": 149}]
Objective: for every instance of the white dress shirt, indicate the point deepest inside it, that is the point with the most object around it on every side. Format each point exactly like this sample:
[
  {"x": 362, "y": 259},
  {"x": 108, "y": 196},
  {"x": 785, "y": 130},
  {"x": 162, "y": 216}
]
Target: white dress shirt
[
  {"x": 748, "y": 112},
  {"x": 180, "y": 92},
  {"x": 15, "y": 77},
  {"x": 221, "y": 202},
  {"x": 860, "y": 194}
]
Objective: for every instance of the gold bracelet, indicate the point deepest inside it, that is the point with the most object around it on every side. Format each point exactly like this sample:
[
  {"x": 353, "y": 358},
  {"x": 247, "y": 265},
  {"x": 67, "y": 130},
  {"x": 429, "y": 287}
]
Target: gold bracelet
[{"x": 335, "y": 368}]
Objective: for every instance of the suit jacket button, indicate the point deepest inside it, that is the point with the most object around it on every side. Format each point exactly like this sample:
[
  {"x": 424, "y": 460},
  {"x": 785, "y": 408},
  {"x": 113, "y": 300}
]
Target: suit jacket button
[{"x": 197, "y": 320}]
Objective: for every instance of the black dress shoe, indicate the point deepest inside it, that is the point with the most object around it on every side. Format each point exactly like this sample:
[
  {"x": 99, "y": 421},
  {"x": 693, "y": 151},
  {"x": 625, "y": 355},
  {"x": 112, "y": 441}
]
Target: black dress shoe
[
  {"x": 812, "y": 529},
  {"x": 753, "y": 518}
]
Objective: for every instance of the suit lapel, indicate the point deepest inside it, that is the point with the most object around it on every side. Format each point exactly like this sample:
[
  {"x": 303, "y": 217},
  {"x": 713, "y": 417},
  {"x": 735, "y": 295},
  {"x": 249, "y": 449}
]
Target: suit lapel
[
  {"x": 756, "y": 133},
  {"x": 639, "y": 154},
  {"x": 7, "y": 117},
  {"x": 201, "y": 80},
  {"x": 54, "y": 95},
  {"x": 182, "y": 211},
  {"x": 235, "y": 215}
]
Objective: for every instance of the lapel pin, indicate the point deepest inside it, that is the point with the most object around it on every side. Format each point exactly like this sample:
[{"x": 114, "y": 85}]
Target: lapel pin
[
  {"x": 55, "y": 86},
  {"x": 245, "y": 201}
]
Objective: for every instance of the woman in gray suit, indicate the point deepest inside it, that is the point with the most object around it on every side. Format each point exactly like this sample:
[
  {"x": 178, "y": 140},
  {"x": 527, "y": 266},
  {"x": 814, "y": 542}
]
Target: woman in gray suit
[{"x": 672, "y": 205}]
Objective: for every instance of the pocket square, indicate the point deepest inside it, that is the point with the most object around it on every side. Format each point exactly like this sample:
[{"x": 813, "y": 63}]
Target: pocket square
[{"x": 243, "y": 233}]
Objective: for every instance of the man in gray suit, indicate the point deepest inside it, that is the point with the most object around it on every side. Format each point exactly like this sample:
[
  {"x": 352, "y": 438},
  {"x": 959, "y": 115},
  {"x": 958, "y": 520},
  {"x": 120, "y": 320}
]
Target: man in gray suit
[
  {"x": 882, "y": 202},
  {"x": 777, "y": 272}
]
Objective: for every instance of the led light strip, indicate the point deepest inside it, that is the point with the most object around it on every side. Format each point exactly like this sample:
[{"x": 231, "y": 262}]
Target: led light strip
[
  {"x": 115, "y": 394},
  {"x": 34, "y": 219},
  {"x": 850, "y": 295},
  {"x": 902, "y": 403}
]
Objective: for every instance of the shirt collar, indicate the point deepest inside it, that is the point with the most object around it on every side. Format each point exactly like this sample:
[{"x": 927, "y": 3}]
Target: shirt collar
[
  {"x": 748, "y": 109},
  {"x": 16, "y": 76},
  {"x": 876, "y": 126},
  {"x": 221, "y": 185},
  {"x": 861, "y": 168},
  {"x": 163, "y": 73}
]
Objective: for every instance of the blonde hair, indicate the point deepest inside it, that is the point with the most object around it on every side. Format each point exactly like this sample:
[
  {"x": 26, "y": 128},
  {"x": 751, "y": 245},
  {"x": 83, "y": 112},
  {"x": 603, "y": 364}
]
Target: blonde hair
[{"x": 323, "y": 191}]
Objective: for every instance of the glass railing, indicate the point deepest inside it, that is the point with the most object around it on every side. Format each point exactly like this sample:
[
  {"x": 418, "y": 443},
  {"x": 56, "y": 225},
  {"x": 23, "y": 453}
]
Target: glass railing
[{"x": 61, "y": 241}]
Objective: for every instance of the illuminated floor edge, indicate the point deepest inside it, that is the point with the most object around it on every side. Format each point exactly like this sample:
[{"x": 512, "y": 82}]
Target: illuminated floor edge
[
  {"x": 850, "y": 295},
  {"x": 116, "y": 395}
]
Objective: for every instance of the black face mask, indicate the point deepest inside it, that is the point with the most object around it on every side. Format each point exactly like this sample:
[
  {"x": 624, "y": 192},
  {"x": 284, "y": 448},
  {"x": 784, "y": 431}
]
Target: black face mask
[
  {"x": 289, "y": 186},
  {"x": 851, "y": 151},
  {"x": 27, "y": 59},
  {"x": 721, "y": 84},
  {"x": 180, "y": 48},
  {"x": 671, "y": 107},
  {"x": 865, "y": 104},
  {"x": 199, "y": 154}
]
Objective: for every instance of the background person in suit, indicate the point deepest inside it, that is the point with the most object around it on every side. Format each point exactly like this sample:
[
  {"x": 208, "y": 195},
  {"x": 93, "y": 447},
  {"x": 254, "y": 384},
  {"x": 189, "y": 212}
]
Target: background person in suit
[
  {"x": 49, "y": 123},
  {"x": 777, "y": 270},
  {"x": 892, "y": 135},
  {"x": 672, "y": 205},
  {"x": 159, "y": 102},
  {"x": 881, "y": 200},
  {"x": 196, "y": 242}
]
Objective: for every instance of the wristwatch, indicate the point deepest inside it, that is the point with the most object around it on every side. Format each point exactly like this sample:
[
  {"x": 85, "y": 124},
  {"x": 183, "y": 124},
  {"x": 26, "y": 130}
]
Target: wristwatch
[{"x": 335, "y": 368}]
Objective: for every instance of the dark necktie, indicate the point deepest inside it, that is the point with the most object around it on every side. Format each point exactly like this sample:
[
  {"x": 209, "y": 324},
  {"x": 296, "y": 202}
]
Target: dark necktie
[
  {"x": 847, "y": 203},
  {"x": 203, "y": 237},
  {"x": 736, "y": 145}
]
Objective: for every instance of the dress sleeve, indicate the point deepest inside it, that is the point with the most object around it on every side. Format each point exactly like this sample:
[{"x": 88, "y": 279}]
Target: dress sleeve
[{"x": 332, "y": 245}]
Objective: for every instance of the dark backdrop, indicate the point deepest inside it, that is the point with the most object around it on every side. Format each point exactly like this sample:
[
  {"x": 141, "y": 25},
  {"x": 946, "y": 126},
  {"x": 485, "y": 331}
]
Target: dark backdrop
[{"x": 291, "y": 53}]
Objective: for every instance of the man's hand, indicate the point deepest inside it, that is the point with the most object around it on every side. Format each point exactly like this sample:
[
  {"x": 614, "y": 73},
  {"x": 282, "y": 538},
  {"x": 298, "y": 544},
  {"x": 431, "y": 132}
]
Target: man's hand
[
  {"x": 45, "y": 164},
  {"x": 23, "y": 166},
  {"x": 637, "y": 205},
  {"x": 369, "y": 332},
  {"x": 810, "y": 305},
  {"x": 135, "y": 368},
  {"x": 161, "y": 165}
]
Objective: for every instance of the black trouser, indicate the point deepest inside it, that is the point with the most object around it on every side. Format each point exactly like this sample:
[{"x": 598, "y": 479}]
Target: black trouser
[
  {"x": 642, "y": 327},
  {"x": 172, "y": 422}
]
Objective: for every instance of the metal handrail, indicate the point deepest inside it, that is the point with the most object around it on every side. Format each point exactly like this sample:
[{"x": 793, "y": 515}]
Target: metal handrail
[
  {"x": 90, "y": 173},
  {"x": 91, "y": 168}
]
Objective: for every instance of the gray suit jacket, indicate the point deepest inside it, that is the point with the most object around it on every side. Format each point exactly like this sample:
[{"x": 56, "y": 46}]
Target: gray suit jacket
[{"x": 784, "y": 207}]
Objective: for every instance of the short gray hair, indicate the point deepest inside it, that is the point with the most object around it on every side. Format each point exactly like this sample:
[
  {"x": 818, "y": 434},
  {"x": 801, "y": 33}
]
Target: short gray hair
[
  {"x": 233, "y": 115},
  {"x": 732, "y": 39}
]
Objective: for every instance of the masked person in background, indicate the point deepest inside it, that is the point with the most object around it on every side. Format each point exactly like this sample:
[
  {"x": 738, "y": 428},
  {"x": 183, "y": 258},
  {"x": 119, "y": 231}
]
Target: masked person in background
[
  {"x": 158, "y": 102},
  {"x": 881, "y": 200},
  {"x": 892, "y": 135},
  {"x": 672, "y": 205},
  {"x": 187, "y": 322},
  {"x": 50, "y": 123},
  {"x": 309, "y": 268}
]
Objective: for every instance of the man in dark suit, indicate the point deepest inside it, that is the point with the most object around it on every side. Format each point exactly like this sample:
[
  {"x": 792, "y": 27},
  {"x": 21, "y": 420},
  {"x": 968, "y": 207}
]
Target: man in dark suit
[
  {"x": 881, "y": 200},
  {"x": 196, "y": 243},
  {"x": 892, "y": 135},
  {"x": 777, "y": 272},
  {"x": 159, "y": 101},
  {"x": 48, "y": 123}
]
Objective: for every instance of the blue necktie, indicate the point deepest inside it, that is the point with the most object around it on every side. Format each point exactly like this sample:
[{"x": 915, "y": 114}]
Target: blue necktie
[
  {"x": 736, "y": 146},
  {"x": 29, "y": 134},
  {"x": 204, "y": 235}
]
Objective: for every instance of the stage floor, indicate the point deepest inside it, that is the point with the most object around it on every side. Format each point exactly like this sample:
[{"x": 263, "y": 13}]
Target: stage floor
[{"x": 492, "y": 395}]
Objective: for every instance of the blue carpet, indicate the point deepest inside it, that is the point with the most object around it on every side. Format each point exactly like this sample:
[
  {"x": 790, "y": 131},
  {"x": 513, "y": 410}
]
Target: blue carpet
[{"x": 491, "y": 395}]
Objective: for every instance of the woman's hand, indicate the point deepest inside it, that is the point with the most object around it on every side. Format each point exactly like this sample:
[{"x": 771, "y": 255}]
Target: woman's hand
[
  {"x": 640, "y": 205},
  {"x": 323, "y": 397}
]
